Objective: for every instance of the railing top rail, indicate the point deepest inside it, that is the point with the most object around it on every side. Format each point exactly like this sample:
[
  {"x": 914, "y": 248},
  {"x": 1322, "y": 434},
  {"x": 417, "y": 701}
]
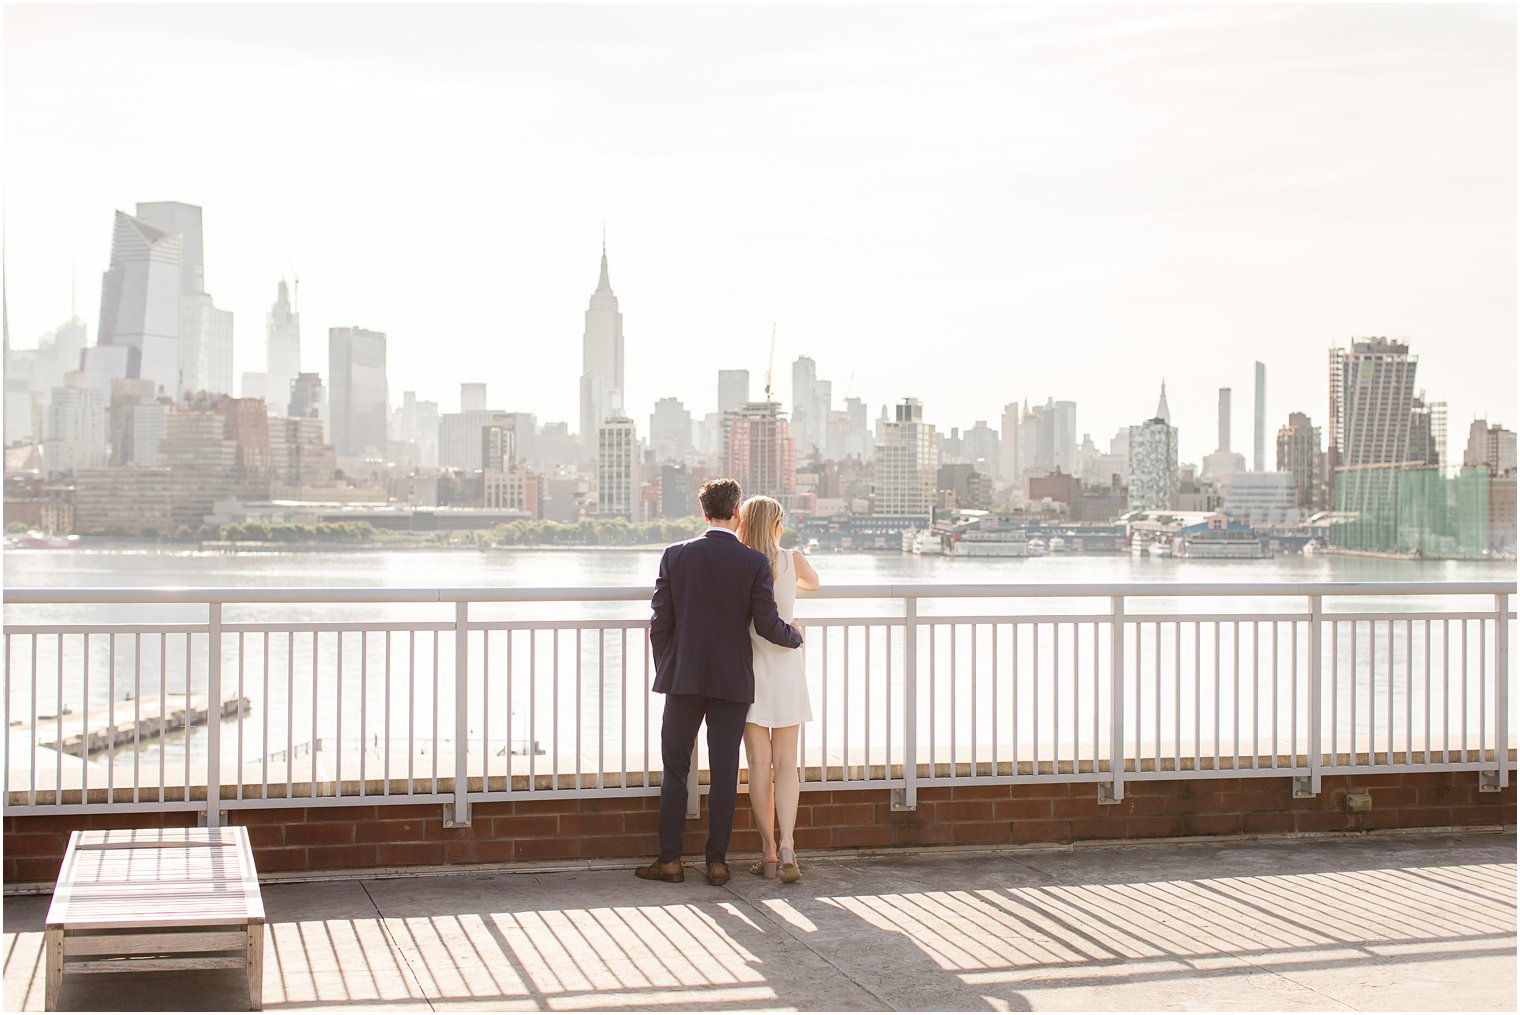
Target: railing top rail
[{"x": 504, "y": 594}]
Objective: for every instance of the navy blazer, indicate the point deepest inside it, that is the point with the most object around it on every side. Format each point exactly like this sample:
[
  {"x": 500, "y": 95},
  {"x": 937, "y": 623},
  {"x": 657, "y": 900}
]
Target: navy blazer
[{"x": 709, "y": 590}]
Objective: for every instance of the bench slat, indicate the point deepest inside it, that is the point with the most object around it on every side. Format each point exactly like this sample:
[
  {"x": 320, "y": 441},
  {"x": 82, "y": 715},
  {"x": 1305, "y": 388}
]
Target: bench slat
[
  {"x": 126, "y": 944},
  {"x": 155, "y": 965}
]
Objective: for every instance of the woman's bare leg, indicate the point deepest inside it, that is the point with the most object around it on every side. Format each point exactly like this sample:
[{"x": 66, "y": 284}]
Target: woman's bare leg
[
  {"x": 784, "y": 758},
  {"x": 762, "y": 798}
]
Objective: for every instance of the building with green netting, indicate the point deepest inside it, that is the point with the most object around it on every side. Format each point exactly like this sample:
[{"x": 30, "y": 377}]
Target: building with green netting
[{"x": 1417, "y": 511}]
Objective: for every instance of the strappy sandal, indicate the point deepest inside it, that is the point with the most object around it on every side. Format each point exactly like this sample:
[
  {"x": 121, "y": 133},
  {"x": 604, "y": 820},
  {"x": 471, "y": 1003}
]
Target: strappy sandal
[
  {"x": 763, "y": 868},
  {"x": 788, "y": 869}
]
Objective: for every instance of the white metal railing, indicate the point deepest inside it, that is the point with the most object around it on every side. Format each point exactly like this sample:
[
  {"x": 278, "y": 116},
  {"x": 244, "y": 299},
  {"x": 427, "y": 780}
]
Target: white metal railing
[{"x": 216, "y": 699}]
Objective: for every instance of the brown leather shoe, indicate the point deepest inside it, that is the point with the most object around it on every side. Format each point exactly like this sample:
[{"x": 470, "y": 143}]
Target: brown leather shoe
[
  {"x": 657, "y": 871},
  {"x": 717, "y": 873}
]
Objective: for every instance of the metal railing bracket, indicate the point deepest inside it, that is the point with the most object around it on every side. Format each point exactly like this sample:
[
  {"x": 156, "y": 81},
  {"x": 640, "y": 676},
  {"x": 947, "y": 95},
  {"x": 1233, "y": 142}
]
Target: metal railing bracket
[{"x": 456, "y": 815}]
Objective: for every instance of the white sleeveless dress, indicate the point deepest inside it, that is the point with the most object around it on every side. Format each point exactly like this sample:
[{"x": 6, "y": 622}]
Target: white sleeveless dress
[{"x": 781, "y": 693}]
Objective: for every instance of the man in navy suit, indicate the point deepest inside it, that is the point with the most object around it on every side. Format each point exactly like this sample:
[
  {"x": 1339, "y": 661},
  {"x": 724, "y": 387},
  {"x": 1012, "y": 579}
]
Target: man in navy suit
[{"x": 709, "y": 590}]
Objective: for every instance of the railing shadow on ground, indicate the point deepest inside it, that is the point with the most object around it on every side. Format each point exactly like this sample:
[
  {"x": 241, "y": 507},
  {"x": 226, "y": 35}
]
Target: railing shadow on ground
[{"x": 954, "y": 931}]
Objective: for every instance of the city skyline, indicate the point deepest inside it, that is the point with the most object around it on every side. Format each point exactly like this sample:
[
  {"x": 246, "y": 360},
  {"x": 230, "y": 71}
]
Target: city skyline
[{"x": 910, "y": 288}]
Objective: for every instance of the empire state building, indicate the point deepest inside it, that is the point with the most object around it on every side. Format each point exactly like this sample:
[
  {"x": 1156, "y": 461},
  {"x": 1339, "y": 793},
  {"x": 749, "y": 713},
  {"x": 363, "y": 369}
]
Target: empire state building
[{"x": 601, "y": 358}]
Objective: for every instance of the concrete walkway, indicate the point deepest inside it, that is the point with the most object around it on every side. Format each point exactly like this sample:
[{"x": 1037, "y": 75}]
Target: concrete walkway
[{"x": 1405, "y": 922}]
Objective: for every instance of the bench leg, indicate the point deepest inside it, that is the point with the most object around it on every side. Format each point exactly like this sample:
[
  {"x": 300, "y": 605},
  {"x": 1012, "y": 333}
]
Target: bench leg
[
  {"x": 53, "y": 956},
  {"x": 255, "y": 967}
]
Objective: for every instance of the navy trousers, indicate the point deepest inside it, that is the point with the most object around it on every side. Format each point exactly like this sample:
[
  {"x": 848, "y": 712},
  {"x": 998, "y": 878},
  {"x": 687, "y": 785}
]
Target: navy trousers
[{"x": 678, "y": 735}]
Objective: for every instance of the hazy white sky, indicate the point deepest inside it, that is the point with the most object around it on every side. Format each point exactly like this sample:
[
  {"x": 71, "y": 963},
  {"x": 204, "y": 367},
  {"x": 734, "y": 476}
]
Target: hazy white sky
[{"x": 972, "y": 205}]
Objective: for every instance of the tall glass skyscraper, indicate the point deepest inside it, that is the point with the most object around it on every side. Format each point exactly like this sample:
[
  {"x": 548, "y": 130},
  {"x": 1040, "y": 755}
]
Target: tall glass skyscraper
[
  {"x": 357, "y": 396},
  {"x": 139, "y": 306}
]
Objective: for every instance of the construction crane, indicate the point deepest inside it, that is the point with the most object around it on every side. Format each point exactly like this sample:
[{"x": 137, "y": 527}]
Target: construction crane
[{"x": 770, "y": 363}]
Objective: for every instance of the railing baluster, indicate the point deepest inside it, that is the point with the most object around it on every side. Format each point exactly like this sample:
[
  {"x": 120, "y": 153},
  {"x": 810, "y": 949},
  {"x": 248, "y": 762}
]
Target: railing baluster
[
  {"x": 993, "y": 708},
  {"x": 213, "y": 718},
  {"x": 910, "y": 704},
  {"x": 1055, "y": 698},
  {"x": 461, "y": 815},
  {"x": 533, "y": 713},
  {"x": 1501, "y": 686},
  {"x": 110, "y": 719},
  {"x": 485, "y": 710},
  {"x": 865, "y": 634},
  {"x": 1116, "y": 698},
  {"x": 84, "y": 715},
  {"x": 844, "y": 755},
  {"x": 1316, "y": 692},
  {"x": 1177, "y": 697},
  {"x": 386, "y": 751},
  {"x": 580, "y": 710},
  {"x": 1466, "y": 702}
]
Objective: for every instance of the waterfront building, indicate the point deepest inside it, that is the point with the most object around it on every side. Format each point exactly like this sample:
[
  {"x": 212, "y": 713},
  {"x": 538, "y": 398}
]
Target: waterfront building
[
  {"x": 498, "y": 444},
  {"x": 619, "y": 473},
  {"x": 601, "y": 359},
  {"x": 1427, "y": 432},
  {"x": 136, "y": 422},
  {"x": 459, "y": 438},
  {"x": 300, "y": 460},
  {"x": 1262, "y": 498},
  {"x": 308, "y": 397},
  {"x": 804, "y": 419},
  {"x": 359, "y": 407},
  {"x": 205, "y": 346},
  {"x": 554, "y": 447},
  {"x": 1223, "y": 463},
  {"x": 515, "y": 489},
  {"x": 980, "y": 446},
  {"x": 1153, "y": 478},
  {"x": 131, "y": 500},
  {"x": 907, "y": 462},
  {"x": 860, "y": 442},
  {"x": 1010, "y": 468},
  {"x": 966, "y": 486},
  {"x": 203, "y": 459},
  {"x": 1371, "y": 404},
  {"x": 669, "y": 430},
  {"x": 759, "y": 451},
  {"x": 1299, "y": 453},
  {"x": 1048, "y": 435},
  {"x": 416, "y": 427},
  {"x": 139, "y": 309},
  {"x": 1259, "y": 443},
  {"x": 282, "y": 337},
  {"x": 678, "y": 493},
  {"x": 1490, "y": 447},
  {"x": 76, "y": 428},
  {"x": 812, "y": 401}
]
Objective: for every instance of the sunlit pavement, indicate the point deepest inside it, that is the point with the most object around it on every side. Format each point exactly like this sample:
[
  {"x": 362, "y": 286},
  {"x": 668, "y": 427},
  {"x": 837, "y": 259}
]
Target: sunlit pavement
[{"x": 1405, "y": 922}]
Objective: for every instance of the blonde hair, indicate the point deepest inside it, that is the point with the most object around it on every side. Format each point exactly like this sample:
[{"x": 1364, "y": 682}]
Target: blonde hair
[{"x": 757, "y": 527}]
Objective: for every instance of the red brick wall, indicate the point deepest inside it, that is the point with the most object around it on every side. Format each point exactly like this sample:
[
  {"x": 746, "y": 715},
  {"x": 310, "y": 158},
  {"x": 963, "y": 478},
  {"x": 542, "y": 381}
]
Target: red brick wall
[{"x": 406, "y": 835}]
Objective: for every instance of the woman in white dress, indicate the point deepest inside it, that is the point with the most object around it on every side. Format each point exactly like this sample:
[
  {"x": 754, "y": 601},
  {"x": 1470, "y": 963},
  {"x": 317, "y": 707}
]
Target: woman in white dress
[{"x": 781, "y": 698}]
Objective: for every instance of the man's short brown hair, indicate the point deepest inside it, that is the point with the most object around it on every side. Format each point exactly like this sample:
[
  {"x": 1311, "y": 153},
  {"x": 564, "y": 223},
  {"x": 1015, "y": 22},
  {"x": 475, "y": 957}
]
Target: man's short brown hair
[{"x": 720, "y": 498}]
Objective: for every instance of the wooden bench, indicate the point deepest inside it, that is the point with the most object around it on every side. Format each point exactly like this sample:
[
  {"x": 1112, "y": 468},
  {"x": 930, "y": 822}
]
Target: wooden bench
[{"x": 131, "y": 900}]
